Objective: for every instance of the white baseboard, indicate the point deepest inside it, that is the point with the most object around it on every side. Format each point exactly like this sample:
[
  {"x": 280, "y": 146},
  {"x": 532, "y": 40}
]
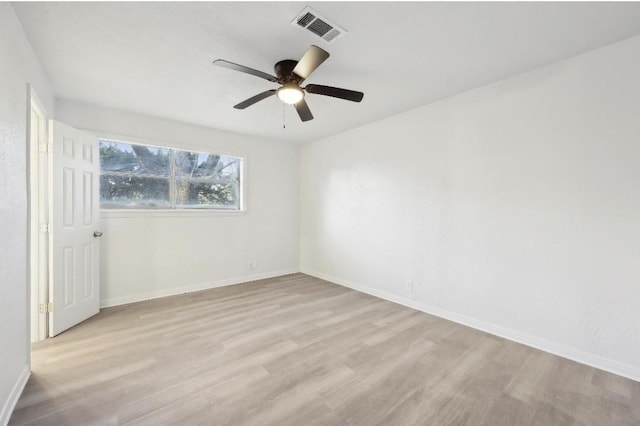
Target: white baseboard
[
  {"x": 140, "y": 297},
  {"x": 14, "y": 396},
  {"x": 577, "y": 355}
]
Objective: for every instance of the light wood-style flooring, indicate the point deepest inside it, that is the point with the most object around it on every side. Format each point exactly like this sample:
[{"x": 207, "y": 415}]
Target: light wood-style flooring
[{"x": 297, "y": 350}]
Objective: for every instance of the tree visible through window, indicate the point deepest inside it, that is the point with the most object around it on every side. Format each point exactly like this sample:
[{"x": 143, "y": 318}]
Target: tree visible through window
[{"x": 140, "y": 176}]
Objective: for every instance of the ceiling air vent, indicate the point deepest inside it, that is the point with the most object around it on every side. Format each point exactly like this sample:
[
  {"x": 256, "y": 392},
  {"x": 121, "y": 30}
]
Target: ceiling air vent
[{"x": 320, "y": 26}]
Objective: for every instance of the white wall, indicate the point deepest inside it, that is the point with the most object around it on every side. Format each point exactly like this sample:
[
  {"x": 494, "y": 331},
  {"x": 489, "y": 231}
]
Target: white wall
[
  {"x": 153, "y": 255},
  {"x": 18, "y": 66},
  {"x": 514, "y": 208}
]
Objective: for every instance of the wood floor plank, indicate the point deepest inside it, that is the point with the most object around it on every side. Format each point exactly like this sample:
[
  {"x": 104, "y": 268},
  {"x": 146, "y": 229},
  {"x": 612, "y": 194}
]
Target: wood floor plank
[{"x": 297, "y": 350}]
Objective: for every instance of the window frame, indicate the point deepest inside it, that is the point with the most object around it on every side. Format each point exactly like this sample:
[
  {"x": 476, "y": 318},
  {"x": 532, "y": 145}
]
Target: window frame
[{"x": 179, "y": 212}]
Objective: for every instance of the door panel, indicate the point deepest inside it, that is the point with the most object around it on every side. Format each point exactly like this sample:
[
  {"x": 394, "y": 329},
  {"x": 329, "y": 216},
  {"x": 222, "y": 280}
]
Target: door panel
[{"x": 75, "y": 252}]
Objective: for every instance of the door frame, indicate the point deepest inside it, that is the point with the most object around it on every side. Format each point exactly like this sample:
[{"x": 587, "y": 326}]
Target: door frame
[{"x": 39, "y": 228}]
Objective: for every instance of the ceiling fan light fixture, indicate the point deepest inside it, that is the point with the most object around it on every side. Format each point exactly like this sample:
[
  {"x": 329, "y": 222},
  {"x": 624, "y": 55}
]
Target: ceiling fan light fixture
[{"x": 290, "y": 94}]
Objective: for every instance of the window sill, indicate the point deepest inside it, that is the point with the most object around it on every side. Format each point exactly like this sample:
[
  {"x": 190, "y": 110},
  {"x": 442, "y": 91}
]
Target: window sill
[{"x": 147, "y": 213}]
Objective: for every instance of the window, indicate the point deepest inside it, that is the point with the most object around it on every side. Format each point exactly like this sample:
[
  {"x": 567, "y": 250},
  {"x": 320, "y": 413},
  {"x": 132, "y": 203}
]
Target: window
[{"x": 153, "y": 177}]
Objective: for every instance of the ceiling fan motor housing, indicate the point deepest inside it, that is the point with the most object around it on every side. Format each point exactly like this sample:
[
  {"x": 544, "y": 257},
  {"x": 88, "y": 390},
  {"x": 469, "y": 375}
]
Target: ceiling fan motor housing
[{"x": 284, "y": 71}]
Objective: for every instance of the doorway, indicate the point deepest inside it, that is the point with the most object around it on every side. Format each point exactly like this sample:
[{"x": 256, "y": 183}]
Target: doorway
[{"x": 64, "y": 248}]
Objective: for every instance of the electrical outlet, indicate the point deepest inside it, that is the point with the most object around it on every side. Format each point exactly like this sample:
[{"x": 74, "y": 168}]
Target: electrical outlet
[
  {"x": 253, "y": 264},
  {"x": 409, "y": 286}
]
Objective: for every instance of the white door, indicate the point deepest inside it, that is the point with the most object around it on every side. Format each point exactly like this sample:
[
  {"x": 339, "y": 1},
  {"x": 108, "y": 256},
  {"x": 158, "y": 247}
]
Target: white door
[{"x": 75, "y": 244}]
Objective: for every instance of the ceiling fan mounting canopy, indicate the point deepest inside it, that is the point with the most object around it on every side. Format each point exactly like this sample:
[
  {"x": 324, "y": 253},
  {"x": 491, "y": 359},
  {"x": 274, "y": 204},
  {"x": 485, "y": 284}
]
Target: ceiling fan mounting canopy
[{"x": 290, "y": 74}]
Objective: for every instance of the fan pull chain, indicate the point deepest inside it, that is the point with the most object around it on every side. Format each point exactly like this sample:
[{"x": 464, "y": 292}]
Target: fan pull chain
[{"x": 283, "y": 124}]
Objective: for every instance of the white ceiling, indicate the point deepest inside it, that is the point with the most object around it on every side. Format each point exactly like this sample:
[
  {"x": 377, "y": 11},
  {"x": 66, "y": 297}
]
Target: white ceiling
[{"x": 156, "y": 58}]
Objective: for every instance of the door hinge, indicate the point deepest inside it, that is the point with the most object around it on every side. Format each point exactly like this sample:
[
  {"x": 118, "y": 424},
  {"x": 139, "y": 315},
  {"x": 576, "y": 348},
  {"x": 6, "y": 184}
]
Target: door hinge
[
  {"x": 46, "y": 147},
  {"x": 46, "y": 308},
  {"x": 45, "y": 228}
]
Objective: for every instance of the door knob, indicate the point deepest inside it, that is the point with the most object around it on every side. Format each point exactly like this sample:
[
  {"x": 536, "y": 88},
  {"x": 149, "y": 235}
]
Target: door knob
[{"x": 97, "y": 234}]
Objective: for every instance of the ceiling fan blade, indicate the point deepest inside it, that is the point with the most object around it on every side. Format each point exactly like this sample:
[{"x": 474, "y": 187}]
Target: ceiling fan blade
[
  {"x": 303, "y": 110},
  {"x": 246, "y": 70},
  {"x": 254, "y": 99},
  {"x": 311, "y": 60},
  {"x": 336, "y": 92}
]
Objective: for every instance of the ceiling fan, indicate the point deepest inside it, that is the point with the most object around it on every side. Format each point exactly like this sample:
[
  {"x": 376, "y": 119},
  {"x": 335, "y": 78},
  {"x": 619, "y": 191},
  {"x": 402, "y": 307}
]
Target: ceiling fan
[{"x": 290, "y": 74}]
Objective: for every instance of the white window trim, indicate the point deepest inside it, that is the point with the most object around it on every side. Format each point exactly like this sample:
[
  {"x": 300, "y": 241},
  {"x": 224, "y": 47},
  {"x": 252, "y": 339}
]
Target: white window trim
[
  {"x": 142, "y": 213},
  {"x": 194, "y": 212}
]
